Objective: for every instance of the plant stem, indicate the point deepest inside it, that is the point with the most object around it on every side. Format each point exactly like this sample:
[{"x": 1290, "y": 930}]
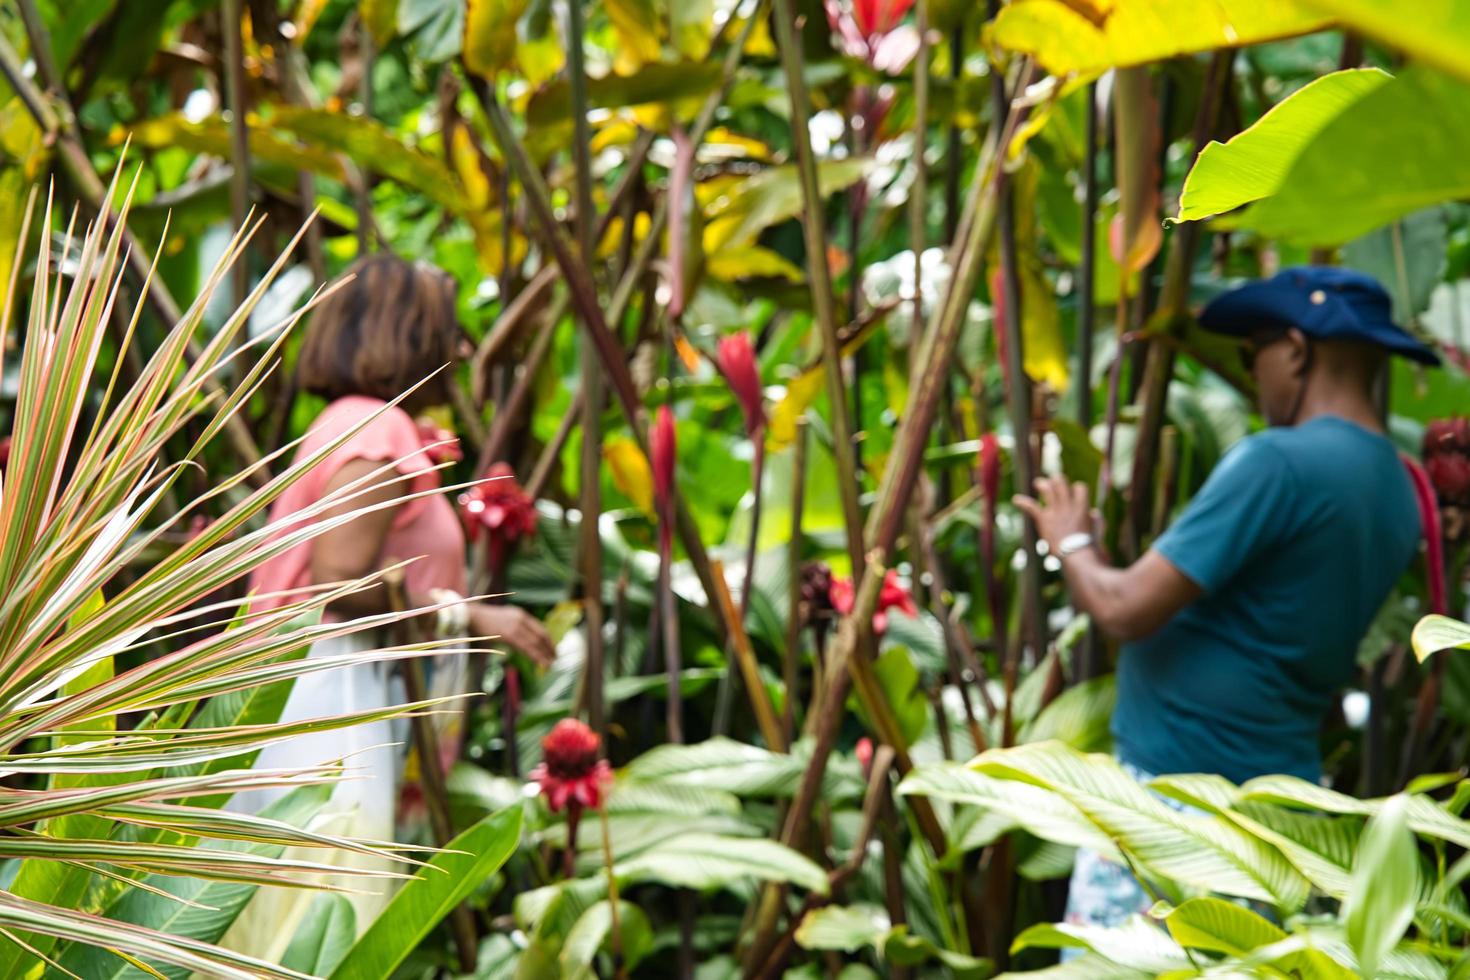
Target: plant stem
[
  {"x": 791, "y": 660},
  {"x": 820, "y": 277},
  {"x": 616, "y": 937},
  {"x": 744, "y": 655},
  {"x": 234, "y": 72},
  {"x": 1086, "y": 268},
  {"x": 589, "y": 544}
]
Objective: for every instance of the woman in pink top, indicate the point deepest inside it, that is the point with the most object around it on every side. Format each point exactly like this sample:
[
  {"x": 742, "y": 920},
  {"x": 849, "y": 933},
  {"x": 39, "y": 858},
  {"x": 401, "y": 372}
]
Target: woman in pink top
[{"x": 377, "y": 336}]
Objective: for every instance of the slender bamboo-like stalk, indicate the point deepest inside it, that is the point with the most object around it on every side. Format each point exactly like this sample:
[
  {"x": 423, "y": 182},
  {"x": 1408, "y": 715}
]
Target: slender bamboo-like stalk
[
  {"x": 362, "y": 190},
  {"x": 584, "y": 296},
  {"x": 431, "y": 772},
  {"x": 744, "y": 656},
  {"x": 589, "y": 544},
  {"x": 819, "y": 276},
  {"x": 1173, "y": 305},
  {"x": 234, "y": 72},
  {"x": 1087, "y": 267},
  {"x": 919, "y": 194},
  {"x": 757, "y": 474},
  {"x": 615, "y": 934},
  {"x": 791, "y": 658}
]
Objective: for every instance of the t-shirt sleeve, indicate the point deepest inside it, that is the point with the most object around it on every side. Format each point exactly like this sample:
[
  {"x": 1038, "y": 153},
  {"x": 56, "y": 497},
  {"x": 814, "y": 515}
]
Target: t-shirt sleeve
[
  {"x": 1246, "y": 508},
  {"x": 389, "y": 436}
]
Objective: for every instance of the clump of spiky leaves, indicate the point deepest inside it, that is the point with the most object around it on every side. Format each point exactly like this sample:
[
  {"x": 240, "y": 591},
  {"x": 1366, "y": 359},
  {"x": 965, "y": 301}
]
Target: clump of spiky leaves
[{"x": 94, "y": 808}]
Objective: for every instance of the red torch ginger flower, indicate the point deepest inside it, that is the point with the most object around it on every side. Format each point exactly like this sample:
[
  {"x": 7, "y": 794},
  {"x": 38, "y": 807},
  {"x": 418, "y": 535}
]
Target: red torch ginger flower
[
  {"x": 571, "y": 775},
  {"x": 502, "y": 509},
  {"x": 891, "y": 596},
  {"x": 736, "y": 361},
  {"x": 1447, "y": 459},
  {"x": 872, "y": 30}
]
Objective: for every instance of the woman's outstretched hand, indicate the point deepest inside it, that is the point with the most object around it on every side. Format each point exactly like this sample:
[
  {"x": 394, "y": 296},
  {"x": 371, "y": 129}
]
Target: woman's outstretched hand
[{"x": 516, "y": 627}]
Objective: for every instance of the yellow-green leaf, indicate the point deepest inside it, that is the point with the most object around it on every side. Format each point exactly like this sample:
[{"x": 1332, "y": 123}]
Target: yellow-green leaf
[
  {"x": 743, "y": 262},
  {"x": 490, "y": 35},
  {"x": 1436, "y": 634},
  {"x": 380, "y": 17},
  {"x": 637, "y": 25},
  {"x": 1068, "y": 36},
  {"x": 1436, "y": 33},
  {"x": 1253, "y": 164},
  {"x": 630, "y": 472}
]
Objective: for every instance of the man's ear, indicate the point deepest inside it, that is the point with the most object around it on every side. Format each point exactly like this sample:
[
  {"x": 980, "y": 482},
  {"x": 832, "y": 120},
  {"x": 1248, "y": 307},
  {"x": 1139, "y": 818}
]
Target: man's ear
[{"x": 1301, "y": 351}]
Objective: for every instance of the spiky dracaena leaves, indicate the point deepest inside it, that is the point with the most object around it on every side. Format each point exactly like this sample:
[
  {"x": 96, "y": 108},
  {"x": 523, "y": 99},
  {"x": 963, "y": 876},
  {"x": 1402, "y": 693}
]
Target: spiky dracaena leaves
[{"x": 103, "y": 803}]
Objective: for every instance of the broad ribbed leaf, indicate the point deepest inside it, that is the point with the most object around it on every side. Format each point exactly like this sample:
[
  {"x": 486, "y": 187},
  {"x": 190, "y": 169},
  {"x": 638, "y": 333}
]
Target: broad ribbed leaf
[
  {"x": 1436, "y": 634},
  {"x": 1088, "y": 966},
  {"x": 421, "y": 903},
  {"x": 215, "y": 905},
  {"x": 323, "y": 938},
  {"x": 1079, "y": 716},
  {"x": 1254, "y": 163},
  {"x": 1091, "y": 36},
  {"x": 1437, "y": 33},
  {"x": 1206, "y": 852},
  {"x": 732, "y": 767},
  {"x": 704, "y": 861},
  {"x": 1423, "y": 814},
  {"x": 845, "y": 928},
  {"x": 1138, "y": 944},
  {"x": 593, "y": 932},
  {"x": 1219, "y": 926},
  {"x": 1380, "y": 904}
]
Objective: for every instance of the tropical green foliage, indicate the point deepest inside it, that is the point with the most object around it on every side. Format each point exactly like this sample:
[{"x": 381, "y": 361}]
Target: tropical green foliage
[{"x": 831, "y": 188}]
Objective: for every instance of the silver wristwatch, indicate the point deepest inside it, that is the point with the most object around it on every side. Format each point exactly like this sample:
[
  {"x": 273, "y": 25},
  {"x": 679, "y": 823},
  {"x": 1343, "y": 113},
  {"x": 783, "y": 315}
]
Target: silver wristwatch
[{"x": 1073, "y": 543}]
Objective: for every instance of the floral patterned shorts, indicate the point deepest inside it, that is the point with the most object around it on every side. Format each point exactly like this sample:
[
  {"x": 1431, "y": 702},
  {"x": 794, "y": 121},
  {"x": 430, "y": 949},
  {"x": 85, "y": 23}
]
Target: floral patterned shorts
[{"x": 1104, "y": 892}]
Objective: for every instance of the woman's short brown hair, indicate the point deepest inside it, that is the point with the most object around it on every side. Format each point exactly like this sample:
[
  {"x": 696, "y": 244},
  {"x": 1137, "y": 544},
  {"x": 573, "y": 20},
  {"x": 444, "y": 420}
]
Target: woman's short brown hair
[{"x": 383, "y": 332}]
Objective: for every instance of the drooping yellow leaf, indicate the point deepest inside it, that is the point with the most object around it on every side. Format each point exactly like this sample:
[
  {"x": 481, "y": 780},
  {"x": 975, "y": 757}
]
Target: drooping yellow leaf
[
  {"x": 306, "y": 17},
  {"x": 1068, "y": 36},
  {"x": 688, "y": 356},
  {"x": 638, "y": 26},
  {"x": 380, "y": 17},
  {"x": 1044, "y": 352},
  {"x": 1436, "y": 33},
  {"x": 691, "y": 26},
  {"x": 630, "y": 472},
  {"x": 490, "y": 34},
  {"x": 1137, "y": 232},
  {"x": 743, "y": 262},
  {"x": 801, "y": 391}
]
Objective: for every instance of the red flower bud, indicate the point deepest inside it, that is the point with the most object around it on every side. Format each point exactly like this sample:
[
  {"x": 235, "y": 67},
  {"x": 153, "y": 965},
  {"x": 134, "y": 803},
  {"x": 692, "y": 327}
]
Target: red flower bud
[
  {"x": 441, "y": 444},
  {"x": 875, "y": 17},
  {"x": 661, "y": 450},
  {"x": 892, "y": 595},
  {"x": 864, "y": 753},
  {"x": 1447, "y": 459},
  {"x": 736, "y": 362},
  {"x": 571, "y": 776}
]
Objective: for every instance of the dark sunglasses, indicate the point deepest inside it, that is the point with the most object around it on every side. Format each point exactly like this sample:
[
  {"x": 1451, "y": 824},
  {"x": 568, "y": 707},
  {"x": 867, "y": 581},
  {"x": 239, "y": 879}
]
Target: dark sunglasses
[{"x": 1251, "y": 348}]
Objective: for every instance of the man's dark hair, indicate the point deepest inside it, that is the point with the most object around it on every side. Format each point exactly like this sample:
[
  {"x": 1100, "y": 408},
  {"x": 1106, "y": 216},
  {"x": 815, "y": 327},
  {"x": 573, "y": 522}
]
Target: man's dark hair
[{"x": 382, "y": 333}]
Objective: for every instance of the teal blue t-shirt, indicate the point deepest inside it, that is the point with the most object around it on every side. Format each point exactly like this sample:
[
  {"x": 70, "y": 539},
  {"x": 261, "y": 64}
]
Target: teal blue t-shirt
[{"x": 1296, "y": 540}]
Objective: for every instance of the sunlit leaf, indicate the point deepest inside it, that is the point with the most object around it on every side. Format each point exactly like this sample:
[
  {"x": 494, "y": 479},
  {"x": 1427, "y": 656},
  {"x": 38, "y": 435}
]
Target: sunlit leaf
[
  {"x": 630, "y": 471},
  {"x": 421, "y": 903},
  {"x": 1068, "y": 37},
  {"x": 1398, "y": 148},
  {"x": 638, "y": 28},
  {"x": 490, "y": 34},
  {"x": 380, "y": 17},
  {"x": 1436, "y": 634},
  {"x": 1380, "y": 904},
  {"x": 1254, "y": 164},
  {"x": 1437, "y": 33},
  {"x": 845, "y": 928},
  {"x": 324, "y": 936}
]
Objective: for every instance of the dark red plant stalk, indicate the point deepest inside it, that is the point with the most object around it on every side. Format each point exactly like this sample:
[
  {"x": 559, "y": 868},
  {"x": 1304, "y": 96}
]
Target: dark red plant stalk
[
  {"x": 572, "y": 777},
  {"x": 661, "y": 450},
  {"x": 500, "y": 510},
  {"x": 1433, "y": 536},
  {"x": 892, "y": 595},
  {"x": 989, "y": 472},
  {"x": 681, "y": 203},
  {"x": 662, "y": 447},
  {"x": 736, "y": 361}
]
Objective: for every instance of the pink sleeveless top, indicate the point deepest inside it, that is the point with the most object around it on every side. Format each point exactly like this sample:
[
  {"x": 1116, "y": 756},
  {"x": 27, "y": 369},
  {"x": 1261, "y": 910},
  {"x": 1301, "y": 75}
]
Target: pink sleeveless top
[{"x": 426, "y": 529}]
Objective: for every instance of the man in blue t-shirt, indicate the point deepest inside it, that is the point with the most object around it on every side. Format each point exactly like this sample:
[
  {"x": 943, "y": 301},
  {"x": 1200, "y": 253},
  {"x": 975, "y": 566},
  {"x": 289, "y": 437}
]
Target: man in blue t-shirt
[{"x": 1243, "y": 620}]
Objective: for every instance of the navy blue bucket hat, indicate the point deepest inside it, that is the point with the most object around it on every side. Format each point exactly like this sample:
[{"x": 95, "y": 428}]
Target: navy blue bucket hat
[{"x": 1325, "y": 302}]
